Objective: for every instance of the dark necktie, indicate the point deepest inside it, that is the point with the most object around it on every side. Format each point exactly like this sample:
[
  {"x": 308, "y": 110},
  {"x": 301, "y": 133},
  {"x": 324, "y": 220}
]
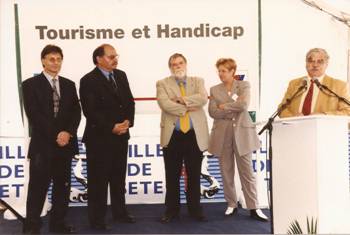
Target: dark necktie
[
  {"x": 112, "y": 82},
  {"x": 55, "y": 97},
  {"x": 308, "y": 100}
]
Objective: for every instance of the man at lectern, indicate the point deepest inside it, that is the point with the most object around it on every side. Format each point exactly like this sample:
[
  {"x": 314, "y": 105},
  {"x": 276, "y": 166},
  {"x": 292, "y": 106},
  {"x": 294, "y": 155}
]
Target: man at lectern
[{"x": 310, "y": 95}]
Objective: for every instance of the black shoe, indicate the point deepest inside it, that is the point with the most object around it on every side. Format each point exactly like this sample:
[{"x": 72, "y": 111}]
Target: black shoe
[
  {"x": 126, "y": 218},
  {"x": 100, "y": 227},
  {"x": 65, "y": 229},
  {"x": 258, "y": 215},
  {"x": 31, "y": 230},
  {"x": 166, "y": 218},
  {"x": 200, "y": 218}
]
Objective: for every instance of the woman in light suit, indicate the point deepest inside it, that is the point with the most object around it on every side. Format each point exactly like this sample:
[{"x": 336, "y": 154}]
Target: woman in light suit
[{"x": 233, "y": 136}]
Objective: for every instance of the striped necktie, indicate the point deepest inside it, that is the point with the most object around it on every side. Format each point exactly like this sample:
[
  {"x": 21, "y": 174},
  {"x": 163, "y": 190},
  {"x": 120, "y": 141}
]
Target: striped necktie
[
  {"x": 184, "y": 120},
  {"x": 55, "y": 97}
]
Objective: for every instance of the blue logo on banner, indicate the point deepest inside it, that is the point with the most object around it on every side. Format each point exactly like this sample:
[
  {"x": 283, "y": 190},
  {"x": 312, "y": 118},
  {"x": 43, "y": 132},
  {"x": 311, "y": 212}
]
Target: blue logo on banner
[{"x": 11, "y": 153}]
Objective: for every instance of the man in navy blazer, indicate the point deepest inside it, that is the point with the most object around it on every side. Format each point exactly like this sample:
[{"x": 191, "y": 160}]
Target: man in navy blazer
[
  {"x": 52, "y": 107},
  {"x": 109, "y": 108}
]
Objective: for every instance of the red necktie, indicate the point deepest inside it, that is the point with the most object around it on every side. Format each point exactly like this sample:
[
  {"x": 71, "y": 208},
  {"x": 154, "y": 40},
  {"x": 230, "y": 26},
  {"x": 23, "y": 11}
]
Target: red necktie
[{"x": 308, "y": 100}]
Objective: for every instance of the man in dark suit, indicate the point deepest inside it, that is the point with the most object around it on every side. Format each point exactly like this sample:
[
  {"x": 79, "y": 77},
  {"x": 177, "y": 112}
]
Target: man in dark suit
[
  {"x": 52, "y": 107},
  {"x": 109, "y": 108}
]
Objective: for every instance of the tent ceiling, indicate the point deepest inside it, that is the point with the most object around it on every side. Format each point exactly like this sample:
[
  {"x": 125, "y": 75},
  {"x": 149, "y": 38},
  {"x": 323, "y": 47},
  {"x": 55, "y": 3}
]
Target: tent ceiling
[{"x": 339, "y": 9}]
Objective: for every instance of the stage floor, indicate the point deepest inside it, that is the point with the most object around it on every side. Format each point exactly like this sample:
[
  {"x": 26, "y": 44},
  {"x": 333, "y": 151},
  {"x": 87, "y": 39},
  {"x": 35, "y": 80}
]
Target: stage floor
[{"x": 148, "y": 216}]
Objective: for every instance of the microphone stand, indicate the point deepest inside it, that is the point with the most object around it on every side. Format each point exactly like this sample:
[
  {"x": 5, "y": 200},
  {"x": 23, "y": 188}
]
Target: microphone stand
[
  {"x": 268, "y": 126},
  {"x": 324, "y": 87},
  {"x": 12, "y": 210}
]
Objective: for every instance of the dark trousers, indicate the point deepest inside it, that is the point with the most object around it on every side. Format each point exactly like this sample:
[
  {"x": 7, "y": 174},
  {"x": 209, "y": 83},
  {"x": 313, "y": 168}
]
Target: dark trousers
[
  {"x": 182, "y": 148},
  {"x": 42, "y": 170},
  {"x": 106, "y": 166}
]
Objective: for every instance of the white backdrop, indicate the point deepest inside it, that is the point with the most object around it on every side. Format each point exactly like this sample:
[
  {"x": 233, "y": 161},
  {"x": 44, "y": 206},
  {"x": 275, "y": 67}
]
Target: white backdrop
[{"x": 144, "y": 59}]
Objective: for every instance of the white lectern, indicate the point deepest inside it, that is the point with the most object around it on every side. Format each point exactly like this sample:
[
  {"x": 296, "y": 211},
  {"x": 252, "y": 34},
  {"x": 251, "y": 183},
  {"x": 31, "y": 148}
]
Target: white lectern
[{"x": 311, "y": 173}]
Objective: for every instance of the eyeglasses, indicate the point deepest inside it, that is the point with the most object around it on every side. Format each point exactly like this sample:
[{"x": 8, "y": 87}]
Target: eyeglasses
[
  {"x": 172, "y": 64},
  {"x": 319, "y": 62},
  {"x": 112, "y": 57},
  {"x": 53, "y": 59}
]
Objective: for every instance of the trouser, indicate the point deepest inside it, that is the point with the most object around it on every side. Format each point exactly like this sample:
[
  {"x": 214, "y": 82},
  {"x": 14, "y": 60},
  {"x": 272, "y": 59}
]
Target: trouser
[
  {"x": 106, "y": 167},
  {"x": 182, "y": 148},
  {"x": 227, "y": 161},
  {"x": 42, "y": 170}
]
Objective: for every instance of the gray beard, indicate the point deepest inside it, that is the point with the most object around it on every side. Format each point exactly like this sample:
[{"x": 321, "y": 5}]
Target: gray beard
[{"x": 180, "y": 75}]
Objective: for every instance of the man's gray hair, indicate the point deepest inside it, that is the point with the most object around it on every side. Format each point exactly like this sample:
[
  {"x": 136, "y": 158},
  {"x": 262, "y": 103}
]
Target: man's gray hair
[{"x": 321, "y": 50}]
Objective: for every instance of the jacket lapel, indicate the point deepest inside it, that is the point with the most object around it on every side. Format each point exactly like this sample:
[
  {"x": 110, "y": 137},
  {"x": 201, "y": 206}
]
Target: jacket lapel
[
  {"x": 236, "y": 88},
  {"x": 190, "y": 86},
  {"x": 296, "y": 104},
  {"x": 121, "y": 92},
  {"x": 322, "y": 97},
  {"x": 223, "y": 92},
  {"x": 45, "y": 90},
  {"x": 173, "y": 86},
  {"x": 101, "y": 79},
  {"x": 62, "y": 88},
  {"x": 63, "y": 95}
]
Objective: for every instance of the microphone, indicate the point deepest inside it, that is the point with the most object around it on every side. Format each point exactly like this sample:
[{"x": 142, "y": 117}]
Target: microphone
[
  {"x": 318, "y": 84},
  {"x": 302, "y": 87},
  {"x": 325, "y": 88},
  {"x": 303, "y": 84}
]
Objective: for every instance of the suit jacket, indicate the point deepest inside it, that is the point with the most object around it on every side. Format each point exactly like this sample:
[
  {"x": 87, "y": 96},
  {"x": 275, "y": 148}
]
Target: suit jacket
[
  {"x": 326, "y": 104},
  {"x": 244, "y": 130},
  {"x": 103, "y": 107},
  {"x": 196, "y": 97},
  {"x": 38, "y": 105}
]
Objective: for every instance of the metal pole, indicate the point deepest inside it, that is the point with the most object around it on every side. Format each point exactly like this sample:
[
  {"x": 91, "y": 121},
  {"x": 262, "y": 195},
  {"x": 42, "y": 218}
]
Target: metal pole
[{"x": 348, "y": 51}]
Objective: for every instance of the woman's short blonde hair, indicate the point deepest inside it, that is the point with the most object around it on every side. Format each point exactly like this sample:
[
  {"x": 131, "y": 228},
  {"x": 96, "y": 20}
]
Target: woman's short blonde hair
[{"x": 229, "y": 63}]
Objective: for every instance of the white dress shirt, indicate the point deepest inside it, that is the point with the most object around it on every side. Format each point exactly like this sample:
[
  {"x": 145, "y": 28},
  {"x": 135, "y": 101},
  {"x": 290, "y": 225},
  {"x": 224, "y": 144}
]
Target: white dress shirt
[
  {"x": 314, "y": 94},
  {"x": 49, "y": 78}
]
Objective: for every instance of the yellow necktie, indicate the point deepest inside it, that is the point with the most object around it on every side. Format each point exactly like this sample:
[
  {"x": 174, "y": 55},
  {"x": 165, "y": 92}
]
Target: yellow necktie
[{"x": 184, "y": 120}]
